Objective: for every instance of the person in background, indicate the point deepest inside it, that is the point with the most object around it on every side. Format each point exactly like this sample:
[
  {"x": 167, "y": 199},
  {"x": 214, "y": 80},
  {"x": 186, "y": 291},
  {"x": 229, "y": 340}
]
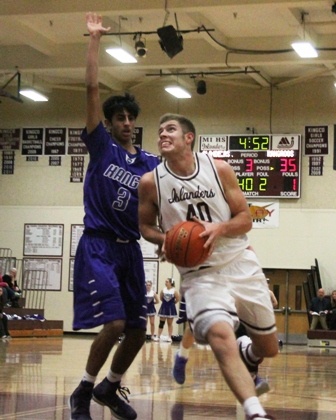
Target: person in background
[
  {"x": 230, "y": 286},
  {"x": 331, "y": 319},
  {"x": 319, "y": 308},
  {"x": 169, "y": 297},
  {"x": 109, "y": 277},
  {"x": 13, "y": 292},
  {"x": 4, "y": 333},
  {"x": 152, "y": 300},
  {"x": 274, "y": 300}
]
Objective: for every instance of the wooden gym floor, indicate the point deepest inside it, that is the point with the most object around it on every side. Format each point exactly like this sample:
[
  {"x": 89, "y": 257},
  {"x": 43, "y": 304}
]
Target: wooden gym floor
[{"x": 37, "y": 375}]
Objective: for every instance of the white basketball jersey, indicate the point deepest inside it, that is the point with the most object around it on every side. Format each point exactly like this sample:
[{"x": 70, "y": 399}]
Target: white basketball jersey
[{"x": 200, "y": 195}]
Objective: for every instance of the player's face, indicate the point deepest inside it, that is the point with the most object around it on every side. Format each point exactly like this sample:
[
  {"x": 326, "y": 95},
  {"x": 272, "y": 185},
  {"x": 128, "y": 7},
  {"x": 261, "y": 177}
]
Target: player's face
[
  {"x": 171, "y": 137},
  {"x": 122, "y": 126}
]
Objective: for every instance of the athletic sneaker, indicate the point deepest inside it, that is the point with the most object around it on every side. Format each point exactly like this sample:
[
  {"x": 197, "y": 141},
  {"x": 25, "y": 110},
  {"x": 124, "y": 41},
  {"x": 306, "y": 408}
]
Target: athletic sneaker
[
  {"x": 179, "y": 368},
  {"x": 105, "y": 393},
  {"x": 261, "y": 385},
  {"x": 79, "y": 402},
  {"x": 244, "y": 342},
  {"x": 259, "y": 417}
]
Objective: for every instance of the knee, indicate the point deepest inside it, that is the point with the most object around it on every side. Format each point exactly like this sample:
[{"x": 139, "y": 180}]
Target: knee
[
  {"x": 135, "y": 336},
  {"x": 161, "y": 324},
  {"x": 269, "y": 349},
  {"x": 265, "y": 346},
  {"x": 114, "y": 327},
  {"x": 272, "y": 351},
  {"x": 221, "y": 337}
]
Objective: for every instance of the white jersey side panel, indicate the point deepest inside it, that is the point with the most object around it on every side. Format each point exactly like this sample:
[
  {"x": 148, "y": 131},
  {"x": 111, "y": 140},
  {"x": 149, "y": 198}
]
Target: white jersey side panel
[{"x": 201, "y": 195}]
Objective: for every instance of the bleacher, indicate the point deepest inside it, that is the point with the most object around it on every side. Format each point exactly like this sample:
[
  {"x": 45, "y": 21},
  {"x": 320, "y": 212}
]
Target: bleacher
[
  {"x": 29, "y": 319},
  {"x": 318, "y": 337}
]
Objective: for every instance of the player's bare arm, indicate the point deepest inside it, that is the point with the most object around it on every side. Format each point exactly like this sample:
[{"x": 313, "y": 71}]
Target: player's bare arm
[
  {"x": 241, "y": 221},
  {"x": 148, "y": 210},
  {"x": 93, "y": 111}
]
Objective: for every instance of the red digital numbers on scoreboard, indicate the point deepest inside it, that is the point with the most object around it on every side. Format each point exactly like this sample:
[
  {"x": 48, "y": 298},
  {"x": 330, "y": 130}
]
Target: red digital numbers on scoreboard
[{"x": 267, "y": 166}]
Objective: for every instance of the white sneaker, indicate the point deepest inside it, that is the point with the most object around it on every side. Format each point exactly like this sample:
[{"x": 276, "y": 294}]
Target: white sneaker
[{"x": 243, "y": 343}]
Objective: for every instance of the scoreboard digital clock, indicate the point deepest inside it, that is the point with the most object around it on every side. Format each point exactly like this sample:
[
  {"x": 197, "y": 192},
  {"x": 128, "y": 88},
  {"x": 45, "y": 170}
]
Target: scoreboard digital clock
[{"x": 266, "y": 165}]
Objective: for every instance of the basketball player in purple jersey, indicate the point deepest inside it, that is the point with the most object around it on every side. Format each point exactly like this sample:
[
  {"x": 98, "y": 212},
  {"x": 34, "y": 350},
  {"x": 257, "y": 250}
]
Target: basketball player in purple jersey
[{"x": 109, "y": 280}]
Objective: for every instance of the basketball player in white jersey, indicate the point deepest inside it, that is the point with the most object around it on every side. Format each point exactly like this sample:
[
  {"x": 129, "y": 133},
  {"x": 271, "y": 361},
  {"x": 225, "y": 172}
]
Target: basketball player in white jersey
[{"x": 189, "y": 186}]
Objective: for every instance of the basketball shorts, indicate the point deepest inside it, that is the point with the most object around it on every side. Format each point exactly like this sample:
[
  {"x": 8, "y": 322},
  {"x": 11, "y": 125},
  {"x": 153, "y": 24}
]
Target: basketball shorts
[
  {"x": 236, "y": 292},
  {"x": 109, "y": 283}
]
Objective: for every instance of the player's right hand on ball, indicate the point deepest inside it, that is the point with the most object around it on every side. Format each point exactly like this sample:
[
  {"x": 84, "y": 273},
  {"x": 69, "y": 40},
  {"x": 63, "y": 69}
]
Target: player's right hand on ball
[{"x": 161, "y": 253}]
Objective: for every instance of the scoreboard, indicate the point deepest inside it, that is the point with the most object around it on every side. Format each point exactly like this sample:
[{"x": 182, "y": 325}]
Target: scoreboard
[{"x": 266, "y": 165}]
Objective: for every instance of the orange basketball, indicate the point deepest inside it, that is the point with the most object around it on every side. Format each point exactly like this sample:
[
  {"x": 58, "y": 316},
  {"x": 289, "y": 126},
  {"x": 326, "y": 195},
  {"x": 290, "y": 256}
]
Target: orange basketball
[{"x": 183, "y": 245}]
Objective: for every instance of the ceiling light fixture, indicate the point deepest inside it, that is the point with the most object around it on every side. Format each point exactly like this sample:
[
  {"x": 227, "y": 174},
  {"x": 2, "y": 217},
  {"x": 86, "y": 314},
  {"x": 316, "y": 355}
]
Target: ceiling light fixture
[
  {"x": 333, "y": 8},
  {"x": 121, "y": 55},
  {"x": 140, "y": 47},
  {"x": 304, "y": 48},
  {"x": 178, "y": 92},
  {"x": 201, "y": 87},
  {"x": 33, "y": 95}
]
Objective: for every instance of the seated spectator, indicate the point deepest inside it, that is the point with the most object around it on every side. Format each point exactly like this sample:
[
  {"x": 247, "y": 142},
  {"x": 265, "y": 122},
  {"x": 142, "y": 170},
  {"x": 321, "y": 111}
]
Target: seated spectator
[
  {"x": 319, "y": 308},
  {"x": 4, "y": 333},
  {"x": 12, "y": 290},
  {"x": 13, "y": 273},
  {"x": 332, "y": 313}
]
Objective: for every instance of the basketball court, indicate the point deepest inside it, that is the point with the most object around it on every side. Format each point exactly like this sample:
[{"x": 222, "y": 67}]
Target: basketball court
[{"x": 37, "y": 376}]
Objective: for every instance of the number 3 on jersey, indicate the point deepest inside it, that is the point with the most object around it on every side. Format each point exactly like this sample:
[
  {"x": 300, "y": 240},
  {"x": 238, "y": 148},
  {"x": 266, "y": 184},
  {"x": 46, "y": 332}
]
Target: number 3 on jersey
[{"x": 122, "y": 200}]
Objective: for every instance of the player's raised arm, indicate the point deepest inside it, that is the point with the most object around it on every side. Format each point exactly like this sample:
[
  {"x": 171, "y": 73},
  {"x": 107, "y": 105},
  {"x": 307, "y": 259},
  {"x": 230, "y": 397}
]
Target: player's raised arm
[{"x": 93, "y": 106}]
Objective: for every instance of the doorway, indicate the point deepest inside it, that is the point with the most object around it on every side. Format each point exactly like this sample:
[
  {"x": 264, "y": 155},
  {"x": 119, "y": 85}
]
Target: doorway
[{"x": 291, "y": 313}]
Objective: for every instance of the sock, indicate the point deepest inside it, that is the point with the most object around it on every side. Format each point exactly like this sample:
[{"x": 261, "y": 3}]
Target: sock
[
  {"x": 252, "y": 406},
  {"x": 183, "y": 352},
  {"x": 89, "y": 378},
  {"x": 245, "y": 345},
  {"x": 113, "y": 377}
]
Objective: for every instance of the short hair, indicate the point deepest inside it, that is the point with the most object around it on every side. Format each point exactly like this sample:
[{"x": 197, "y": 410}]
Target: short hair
[
  {"x": 185, "y": 123},
  {"x": 119, "y": 103}
]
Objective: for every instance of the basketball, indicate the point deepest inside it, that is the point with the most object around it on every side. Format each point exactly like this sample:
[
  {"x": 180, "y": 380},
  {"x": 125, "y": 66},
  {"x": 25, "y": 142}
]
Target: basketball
[{"x": 183, "y": 246}]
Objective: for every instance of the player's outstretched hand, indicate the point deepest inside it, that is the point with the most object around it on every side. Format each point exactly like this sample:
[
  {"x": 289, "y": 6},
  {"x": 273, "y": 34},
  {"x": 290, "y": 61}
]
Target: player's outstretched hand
[{"x": 94, "y": 23}]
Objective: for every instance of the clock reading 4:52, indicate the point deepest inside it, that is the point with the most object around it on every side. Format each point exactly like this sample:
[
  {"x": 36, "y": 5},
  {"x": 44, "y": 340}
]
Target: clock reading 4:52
[{"x": 249, "y": 143}]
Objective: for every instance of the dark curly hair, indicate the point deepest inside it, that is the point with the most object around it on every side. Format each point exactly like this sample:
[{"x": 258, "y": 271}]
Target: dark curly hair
[{"x": 118, "y": 103}]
